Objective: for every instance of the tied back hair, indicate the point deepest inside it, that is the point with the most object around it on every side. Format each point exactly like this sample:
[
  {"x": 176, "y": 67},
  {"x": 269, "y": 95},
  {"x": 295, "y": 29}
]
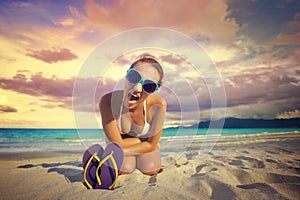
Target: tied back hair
[{"x": 148, "y": 58}]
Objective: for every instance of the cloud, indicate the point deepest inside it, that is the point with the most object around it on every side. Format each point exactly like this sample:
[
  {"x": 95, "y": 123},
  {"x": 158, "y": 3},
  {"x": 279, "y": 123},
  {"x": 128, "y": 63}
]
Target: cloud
[
  {"x": 254, "y": 43},
  {"x": 264, "y": 86},
  {"x": 58, "y": 92},
  {"x": 171, "y": 59},
  {"x": 296, "y": 22},
  {"x": 52, "y": 55},
  {"x": 194, "y": 18},
  {"x": 289, "y": 114},
  {"x": 249, "y": 89},
  {"x": 259, "y": 20},
  {"x": 54, "y": 91},
  {"x": 38, "y": 85},
  {"x": 283, "y": 41},
  {"x": 65, "y": 22},
  {"x": 7, "y": 109}
]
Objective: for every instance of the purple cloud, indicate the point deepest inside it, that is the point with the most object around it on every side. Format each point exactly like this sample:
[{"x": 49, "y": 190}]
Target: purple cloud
[
  {"x": 57, "y": 92},
  {"x": 7, "y": 109},
  {"x": 38, "y": 85},
  {"x": 170, "y": 58},
  {"x": 52, "y": 55},
  {"x": 244, "y": 89}
]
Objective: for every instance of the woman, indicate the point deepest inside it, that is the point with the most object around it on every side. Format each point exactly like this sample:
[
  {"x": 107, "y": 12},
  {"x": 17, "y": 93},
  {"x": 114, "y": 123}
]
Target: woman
[{"x": 134, "y": 117}]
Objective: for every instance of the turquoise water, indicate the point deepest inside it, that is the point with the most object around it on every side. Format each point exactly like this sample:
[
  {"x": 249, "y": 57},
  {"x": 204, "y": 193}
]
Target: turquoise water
[
  {"x": 229, "y": 131},
  {"x": 12, "y": 140}
]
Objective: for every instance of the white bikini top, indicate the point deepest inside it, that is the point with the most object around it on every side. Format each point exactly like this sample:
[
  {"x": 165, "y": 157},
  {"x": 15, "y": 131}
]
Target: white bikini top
[{"x": 146, "y": 126}]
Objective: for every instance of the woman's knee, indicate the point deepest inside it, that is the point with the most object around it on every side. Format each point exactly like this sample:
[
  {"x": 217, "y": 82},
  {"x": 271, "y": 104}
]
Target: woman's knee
[
  {"x": 150, "y": 168},
  {"x": 129, "y": 165},
  {"x": 151, "y": 173},
  {"x": 149, "y": 163}
]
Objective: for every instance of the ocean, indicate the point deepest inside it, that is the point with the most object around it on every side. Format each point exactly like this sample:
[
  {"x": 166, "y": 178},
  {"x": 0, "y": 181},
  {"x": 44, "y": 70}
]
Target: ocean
[{"x": 73, "y": 140}]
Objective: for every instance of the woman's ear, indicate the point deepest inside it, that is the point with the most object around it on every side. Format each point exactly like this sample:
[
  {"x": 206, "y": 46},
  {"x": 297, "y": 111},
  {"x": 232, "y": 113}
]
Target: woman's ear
[{"x": 157, "y": 90}]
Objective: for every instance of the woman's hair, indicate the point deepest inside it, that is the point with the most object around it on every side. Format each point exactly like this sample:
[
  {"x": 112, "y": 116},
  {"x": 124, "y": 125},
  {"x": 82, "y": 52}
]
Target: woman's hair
[{"x": 148, "y": 58}]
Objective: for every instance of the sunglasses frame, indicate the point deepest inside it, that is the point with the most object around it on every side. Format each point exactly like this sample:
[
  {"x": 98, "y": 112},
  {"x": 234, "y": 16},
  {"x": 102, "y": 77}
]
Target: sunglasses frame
[{"x": 142, "y": 80}]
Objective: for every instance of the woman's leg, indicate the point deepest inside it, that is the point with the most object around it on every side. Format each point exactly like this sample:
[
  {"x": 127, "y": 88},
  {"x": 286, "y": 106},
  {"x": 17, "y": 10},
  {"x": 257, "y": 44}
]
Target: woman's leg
[
  {"x": 149, "y": 163},
  {"x": 129, "y": 165}
]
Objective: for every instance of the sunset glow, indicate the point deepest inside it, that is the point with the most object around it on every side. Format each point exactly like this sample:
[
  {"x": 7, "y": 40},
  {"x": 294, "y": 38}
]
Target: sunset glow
[{"x": 254, "y": 44}]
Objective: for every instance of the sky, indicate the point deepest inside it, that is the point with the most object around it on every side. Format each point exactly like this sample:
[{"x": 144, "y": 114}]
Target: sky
[{"x": 253, "y": 44}]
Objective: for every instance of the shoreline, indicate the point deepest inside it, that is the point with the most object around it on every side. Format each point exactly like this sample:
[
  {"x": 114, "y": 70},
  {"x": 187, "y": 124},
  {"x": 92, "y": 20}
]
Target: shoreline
[{"x": 197, "y": 142}]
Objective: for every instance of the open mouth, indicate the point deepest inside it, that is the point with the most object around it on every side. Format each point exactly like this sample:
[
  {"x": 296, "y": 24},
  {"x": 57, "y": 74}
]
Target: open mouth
[{"x": 132, "y": 99}]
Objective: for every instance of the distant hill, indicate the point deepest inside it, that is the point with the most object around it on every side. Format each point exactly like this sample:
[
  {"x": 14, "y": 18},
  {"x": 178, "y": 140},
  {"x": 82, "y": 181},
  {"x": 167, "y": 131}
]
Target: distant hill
[{"x": 254, "y": 123}]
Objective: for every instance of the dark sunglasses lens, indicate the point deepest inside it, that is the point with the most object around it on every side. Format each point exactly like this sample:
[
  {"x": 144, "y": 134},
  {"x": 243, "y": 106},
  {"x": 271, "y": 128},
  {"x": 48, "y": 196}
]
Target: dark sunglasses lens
[
  {"x": 149, "y": 86},
  {"x": 133, "y": 77}
]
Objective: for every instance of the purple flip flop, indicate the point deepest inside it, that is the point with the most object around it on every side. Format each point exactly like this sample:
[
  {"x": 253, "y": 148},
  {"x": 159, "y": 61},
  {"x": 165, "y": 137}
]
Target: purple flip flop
[
  {"x": 90, "y": 162},
  {"x": 109, "y": 168},
  {"x": 102, "y": 168}
]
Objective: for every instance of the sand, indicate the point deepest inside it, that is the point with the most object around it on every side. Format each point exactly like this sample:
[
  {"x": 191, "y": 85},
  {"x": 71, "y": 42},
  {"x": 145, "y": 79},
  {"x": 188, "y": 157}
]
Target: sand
[{"x": 256, "y": 167}]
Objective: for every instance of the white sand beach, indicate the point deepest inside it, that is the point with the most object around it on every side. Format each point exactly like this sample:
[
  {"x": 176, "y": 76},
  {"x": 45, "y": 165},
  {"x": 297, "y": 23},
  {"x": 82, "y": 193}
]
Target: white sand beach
[{"x": 254, "y": 167}]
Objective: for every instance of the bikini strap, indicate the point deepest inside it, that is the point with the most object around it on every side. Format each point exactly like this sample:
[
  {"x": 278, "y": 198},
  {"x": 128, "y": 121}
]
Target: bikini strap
[{"x": 145, "y": 111}]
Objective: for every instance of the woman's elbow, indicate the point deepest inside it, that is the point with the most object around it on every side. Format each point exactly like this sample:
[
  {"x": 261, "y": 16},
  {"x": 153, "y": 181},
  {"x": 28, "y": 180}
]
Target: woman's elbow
[{"x": 153, "y": 147}]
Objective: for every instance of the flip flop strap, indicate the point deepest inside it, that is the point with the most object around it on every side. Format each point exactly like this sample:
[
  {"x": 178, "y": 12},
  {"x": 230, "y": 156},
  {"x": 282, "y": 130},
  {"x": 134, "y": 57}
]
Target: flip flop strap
[
  {"x": 109, "y": 156},
  {"x": 86, "y": 168}
]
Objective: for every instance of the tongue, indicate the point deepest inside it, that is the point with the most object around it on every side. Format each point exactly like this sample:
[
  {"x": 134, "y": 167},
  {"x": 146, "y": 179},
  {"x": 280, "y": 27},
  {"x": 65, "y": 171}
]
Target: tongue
[{"x": 132, "y": 99}]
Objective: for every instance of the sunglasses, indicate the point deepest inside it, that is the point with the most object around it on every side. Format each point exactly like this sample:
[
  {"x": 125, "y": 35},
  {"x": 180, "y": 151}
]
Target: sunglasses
[{"x": 134, "y": 77}]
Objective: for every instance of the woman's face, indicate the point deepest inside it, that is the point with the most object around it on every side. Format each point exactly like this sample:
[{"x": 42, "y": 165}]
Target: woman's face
[{"x": 134, "y": 94}]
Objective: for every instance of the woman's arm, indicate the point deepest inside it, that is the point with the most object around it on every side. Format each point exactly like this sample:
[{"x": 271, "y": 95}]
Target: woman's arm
[{"x": 146, "y": 146}]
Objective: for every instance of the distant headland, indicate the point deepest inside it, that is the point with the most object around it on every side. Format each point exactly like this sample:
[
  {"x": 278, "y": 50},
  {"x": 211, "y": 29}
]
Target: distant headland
[{"x": 253, "y": 123}]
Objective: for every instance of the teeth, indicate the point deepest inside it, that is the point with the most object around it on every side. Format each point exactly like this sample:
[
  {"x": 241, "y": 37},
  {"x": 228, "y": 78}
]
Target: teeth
[{"x": 133, "y": 96}]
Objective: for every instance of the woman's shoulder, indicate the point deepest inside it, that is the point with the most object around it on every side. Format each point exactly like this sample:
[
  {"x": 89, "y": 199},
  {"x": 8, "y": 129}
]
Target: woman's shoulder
[
  {"x": 110, "y": 104},
  {"x": 110, "y": 97},
  {"x": 156, "y": 99}
]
